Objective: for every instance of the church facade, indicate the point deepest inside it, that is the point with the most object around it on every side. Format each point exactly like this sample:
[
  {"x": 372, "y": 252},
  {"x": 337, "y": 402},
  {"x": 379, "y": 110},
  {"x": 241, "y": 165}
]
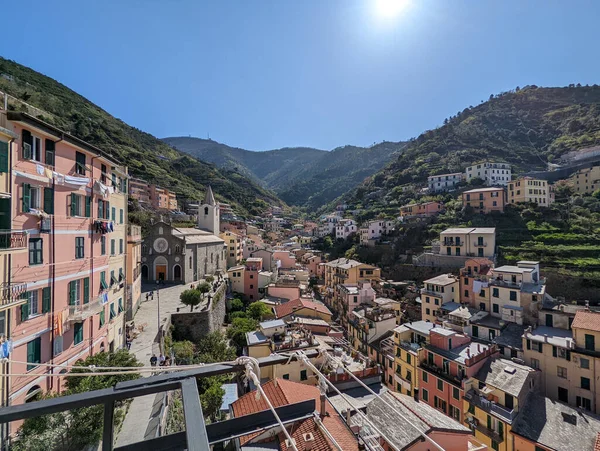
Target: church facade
[{"x": 184, "y": 255}]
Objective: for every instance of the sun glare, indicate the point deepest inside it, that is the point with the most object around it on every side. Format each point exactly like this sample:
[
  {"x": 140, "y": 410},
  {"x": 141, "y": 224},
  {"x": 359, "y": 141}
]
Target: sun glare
[{"x": 390, "y": 8}]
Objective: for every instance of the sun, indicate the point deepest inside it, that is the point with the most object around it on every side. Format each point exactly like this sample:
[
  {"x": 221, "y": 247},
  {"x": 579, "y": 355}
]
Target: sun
[{"x": 390, "y": 8}]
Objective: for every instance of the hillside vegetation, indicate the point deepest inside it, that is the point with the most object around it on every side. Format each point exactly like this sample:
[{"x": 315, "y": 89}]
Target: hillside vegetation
[
  {"x": 527, "y": 127},
  {"x": 301, "y": 176},
  {"x": 146, "y": 156}
]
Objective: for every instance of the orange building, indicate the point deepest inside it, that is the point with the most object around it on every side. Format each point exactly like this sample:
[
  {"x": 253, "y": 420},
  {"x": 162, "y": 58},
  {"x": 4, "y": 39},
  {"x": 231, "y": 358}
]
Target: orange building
[
  {"x": 421, "y": 210},
  {"x": 485, "y": 200}
]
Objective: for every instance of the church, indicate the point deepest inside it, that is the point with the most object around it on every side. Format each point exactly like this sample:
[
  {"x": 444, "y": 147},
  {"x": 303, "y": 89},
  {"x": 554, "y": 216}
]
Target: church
[{"x": 184, "y": 255}]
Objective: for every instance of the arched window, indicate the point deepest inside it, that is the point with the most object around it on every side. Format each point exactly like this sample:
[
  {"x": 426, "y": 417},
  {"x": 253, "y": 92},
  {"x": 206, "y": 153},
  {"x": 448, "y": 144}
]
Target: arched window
[
  {"x": 177, "y": 249},
  {"x": 160, "y": 230},
  {"x": 205, "y": 210},
  {"x": 144, "y": 249}
]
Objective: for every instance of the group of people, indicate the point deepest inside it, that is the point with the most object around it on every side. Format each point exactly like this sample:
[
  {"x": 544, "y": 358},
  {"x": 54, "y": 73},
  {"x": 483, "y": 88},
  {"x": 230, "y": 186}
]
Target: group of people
[
  {"x": 150, "y": 296},
  {"x": 161, "y": 360}
]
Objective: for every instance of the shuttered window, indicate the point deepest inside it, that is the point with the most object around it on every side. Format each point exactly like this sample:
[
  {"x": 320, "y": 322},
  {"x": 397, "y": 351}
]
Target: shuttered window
[
  {"x": 80, "y": 163},
  {"x": 75, "y": 205},
  {"x": 46, "y": 300},
  {"x": 50, "y": 152},
  {"x": 86, "y": 290},
  {"x": 34, "y": 353},
  {"x": 35, "y": 251},
  {"x": 100, "y": 209},
  {"x": 77, "y": 333},
  {"x": 3, "y": 157},
  {"x": 88, "y": 206},
  {"x": 49, "y": 200},
  {"x": 27, "y": 141},
  {"x": 26, "y": 199},
  {"x": 79, "y": 247}
]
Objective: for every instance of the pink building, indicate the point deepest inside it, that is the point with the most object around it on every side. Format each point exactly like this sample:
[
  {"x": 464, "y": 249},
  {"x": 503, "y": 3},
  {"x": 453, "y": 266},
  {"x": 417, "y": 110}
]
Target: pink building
[
  {"x": 286, "y": 259},
  {"x": 474, "y": 283},
  {"x": 425, "y": 209},
  {"x": 447, "y": 362},
  {"x": 71, "y": 199},
  {"x": 284, "y": 290},
  {"x": 315, "y": 269},
  {"x": 253, "y": 267}
]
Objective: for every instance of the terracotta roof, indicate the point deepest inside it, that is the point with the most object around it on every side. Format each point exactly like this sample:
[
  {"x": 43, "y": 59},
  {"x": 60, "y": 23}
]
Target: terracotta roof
[
  {"x": 597, "y": 444},
  {"x": 587, "y": 320},
  {"x": 288, "y": 392},
  {"x": 290, "y": 307}
]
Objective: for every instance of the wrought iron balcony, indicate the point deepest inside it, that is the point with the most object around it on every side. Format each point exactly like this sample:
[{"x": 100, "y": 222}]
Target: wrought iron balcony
[
  {"x": 10, "y": 294},
  {"x": 504, "y": 413},
  {"x": 13, "y": 239},
  {"x": 80, "y": 312},
  {"x": 439, "y": 372}
]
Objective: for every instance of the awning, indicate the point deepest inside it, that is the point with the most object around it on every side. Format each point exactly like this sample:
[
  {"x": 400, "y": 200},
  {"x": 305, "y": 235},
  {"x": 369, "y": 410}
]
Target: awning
[{"x": 37, "y": 178}]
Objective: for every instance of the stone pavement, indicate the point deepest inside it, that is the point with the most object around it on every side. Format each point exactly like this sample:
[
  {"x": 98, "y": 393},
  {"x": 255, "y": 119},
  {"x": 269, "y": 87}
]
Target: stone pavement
[{"x": 142, "y": 410}]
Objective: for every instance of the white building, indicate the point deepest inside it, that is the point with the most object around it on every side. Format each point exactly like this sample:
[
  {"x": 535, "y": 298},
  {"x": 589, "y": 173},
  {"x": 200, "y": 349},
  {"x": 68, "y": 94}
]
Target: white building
[
  {"x": 491, "y": 173},
  {"x": 327, "y": 226},
  {"x": 344, "y": 228},
  {"x": 373, "y": 230},
  {"x": 444, "y": 182}
]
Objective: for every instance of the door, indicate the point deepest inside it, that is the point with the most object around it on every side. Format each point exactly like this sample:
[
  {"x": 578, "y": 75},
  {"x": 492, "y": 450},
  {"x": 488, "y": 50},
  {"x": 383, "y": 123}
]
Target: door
[
  {"x": 509, "y": 401},
  {"x": 161, "y": 272},
  {"x": 177, "y": 272},
  {"x": 549, "y": 321},
  {"x": 5, "y": 223},
  {"x": 563, "y": 394},
  {"x": 144, "y": 272}
]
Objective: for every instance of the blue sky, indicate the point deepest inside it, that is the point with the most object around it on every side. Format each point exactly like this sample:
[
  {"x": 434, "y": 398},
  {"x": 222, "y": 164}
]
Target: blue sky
[{"x": 263, "y": 74}]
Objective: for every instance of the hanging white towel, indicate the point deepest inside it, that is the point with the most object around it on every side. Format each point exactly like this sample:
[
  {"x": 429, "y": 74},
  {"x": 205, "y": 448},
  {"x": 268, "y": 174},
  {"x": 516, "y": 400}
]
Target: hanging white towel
[
  {"x": 71, "y": 180},
  {"x": 477, "y": 285},
  {"x": 40, "y": 169}
]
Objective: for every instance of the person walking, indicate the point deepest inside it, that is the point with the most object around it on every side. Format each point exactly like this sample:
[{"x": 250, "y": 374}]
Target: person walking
[
  {"x": 161, "y": 360},
  {"x": 128, "y": 341},
  {"x": 153, "y": 360}
]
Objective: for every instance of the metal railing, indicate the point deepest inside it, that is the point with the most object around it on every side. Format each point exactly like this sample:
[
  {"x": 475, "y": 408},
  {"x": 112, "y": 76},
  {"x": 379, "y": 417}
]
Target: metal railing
[
  {"x": 490, "y": 406},
  {"x": 10, "y": 293},
  {"x": 81, "y": 311},
  {"x": 439, "y": 372},
  {"x": 13, "y": 239}
]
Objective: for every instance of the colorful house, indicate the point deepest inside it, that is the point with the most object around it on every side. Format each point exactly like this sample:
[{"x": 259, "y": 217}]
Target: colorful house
[{"x": 484, "y": 200}]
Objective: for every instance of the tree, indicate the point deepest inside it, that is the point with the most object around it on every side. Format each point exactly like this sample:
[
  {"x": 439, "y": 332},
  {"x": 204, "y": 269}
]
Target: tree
[
  {"x": 258, "y": 310},
  {"x": 327, "y": 242},
  {"x": 210, "y": 279},
  {"x": 203, "y": 288},
  {"x": 236, "y": 305},
  {"x": 237, "y": 332},
  {"x": 184, "y": 351},
  {"x": 212, "y": 398},
  {"x": 214, "y": 348},
  {"x": 192, "y": 298},
  {"x": 78, "y": 428}
]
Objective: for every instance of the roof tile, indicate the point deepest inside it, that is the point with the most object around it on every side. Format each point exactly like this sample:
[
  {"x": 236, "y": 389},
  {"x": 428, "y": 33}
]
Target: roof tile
[
  {"x": 587, "y": 320},
  {"x": 287, "y": 308}
]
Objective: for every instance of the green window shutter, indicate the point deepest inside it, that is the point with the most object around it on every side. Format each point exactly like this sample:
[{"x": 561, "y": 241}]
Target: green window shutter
[
  {"x": 24, "y": 311},
  {"x": 3, "y": 157},
  {"x": 72, "y": 293},
  {"x": 74, "y": 202},
  {"x": 26, "y": 197},
  {"x": 50, "y": 151},
  {"x": 49, "y": 200},
  {"x": 120, "y": 305},
  {"x": 88, "y": 206},
  {"x": 121, "y": 216},
  {"x": 114, "y": 214},
  {"x": 501, "y": 429},
  {"x": 86, "y": 290},
  {"x": 31, "y": 354},
  {"x": 27, "y": 139},
  {"x": 107, "y": 210},
  {"x": 102, "y": 245},
  {"x": 100, "y": 209},
  {"x": 554, "y": 351},
  {"x": 528, "y": 344},
  {"x": 45, "y": 299},
  {"x": 102, "y": 319},
  {"x": 103, "y": 285},
  {"x": 489, "y": 422}
]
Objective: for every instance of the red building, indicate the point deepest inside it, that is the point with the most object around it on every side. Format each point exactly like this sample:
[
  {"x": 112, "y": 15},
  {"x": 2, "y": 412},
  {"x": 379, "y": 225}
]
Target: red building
[
  {"x": 473, "y": 283},
  {"x": 253, "y": 267},
  {"x": 448, "y": 361}
]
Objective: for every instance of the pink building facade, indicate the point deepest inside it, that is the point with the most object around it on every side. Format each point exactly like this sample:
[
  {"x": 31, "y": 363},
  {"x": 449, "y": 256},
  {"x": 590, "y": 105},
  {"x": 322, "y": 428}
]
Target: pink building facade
[
  {"x": 71, "y": 199},
  {"x": 253, "y": 267},
  {"x": 286, "y": 259}
]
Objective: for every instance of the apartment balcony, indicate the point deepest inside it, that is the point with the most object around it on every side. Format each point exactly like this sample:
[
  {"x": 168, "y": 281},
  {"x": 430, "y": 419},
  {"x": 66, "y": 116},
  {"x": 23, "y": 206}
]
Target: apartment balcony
[
  {"x": 474, "y": 423},
  {"x": 80, "y": 312},
  {"x": 483, "y": 244},
  {"x": 505, "y": 283},
  {"x": 456, "y": 243},
  {"x": 408, "y": 346},
  {"x": 439, "y": 372},
  {"x": 10, "y": 294},
  {"x": 13, "y": 240},
  {"x": 504, "y": 413}
]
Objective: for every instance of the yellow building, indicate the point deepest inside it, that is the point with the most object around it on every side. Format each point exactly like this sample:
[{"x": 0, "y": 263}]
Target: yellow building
[
  {"x": 367, "y": 325},
  {"x": 586, "y": 181},
  {"x": 115, "y": 275},
  {"x": 468, "y": 241},
  {"x": 436, "y": 292},
  {"x": 234, "y": 243},
  {"x": 493, "y": 398},
  {"x": 133, "y": 273},
  {"x": 527, "y": 189},
  {"x": 235, "y": 276},
  {"x": 346, "y": 271},
  {"x": 409, "y": 339}
]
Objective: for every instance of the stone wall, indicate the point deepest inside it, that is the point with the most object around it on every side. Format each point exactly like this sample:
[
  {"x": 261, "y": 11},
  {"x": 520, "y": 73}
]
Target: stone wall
[{"x": 195, "y": 325}]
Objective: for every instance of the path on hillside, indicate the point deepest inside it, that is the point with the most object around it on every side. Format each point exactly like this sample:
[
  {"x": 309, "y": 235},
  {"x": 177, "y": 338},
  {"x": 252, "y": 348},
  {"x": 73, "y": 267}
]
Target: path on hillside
[{"x": 137, "y": 424}]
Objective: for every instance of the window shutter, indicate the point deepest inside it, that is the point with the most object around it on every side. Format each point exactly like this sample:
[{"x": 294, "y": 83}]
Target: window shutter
[
  {"x": 100, "y": 209},
  {"x": 50, "y": 151},
  {"x": 3, "y": 157},
  {"x": 25, "y": 311},
  {"x": 30, "y": 353},
  {"x": 27, "y": 139},
  {"x": 540, "y": 348},
  {"x": 49, "y": 200},
  {"x": 86, "y": 290},
  {"x": 568, "y": 355},
  {"x": 26, "y": 197},
  {"x": 107, "y": 210},
  {"x": 554, "y": 351},
  {"x": 73, "y": 204},
  {"x": 88, "y": 206},
  {"x": 45, "y": 299},
  {"x": 72, "y": 294},
  {"x": 528, "y": 344}
]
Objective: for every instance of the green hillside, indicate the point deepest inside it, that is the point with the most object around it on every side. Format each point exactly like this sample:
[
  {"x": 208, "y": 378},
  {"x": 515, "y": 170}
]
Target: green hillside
[
  {"x": 146, "y": 156},
  {"x": 527, "y": 127},
  {"x": 300, "y": 176}
]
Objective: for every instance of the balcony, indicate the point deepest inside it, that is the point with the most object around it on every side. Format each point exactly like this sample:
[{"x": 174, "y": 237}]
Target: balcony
[
  {"x": 474, "y": 423},
  {"x": 504, "y": 283},
  {"x": 10, "y": 294},
  {"x": 13, "y": 240},
  {"x": 453, "y": 243},
  {"x": 482, "y": 244},
  {"x": 80, "y": 312},
  {"x": 439, "y": 372},
  {"x": 490, "y": 406},
  {"x": 407, "y": 346}
]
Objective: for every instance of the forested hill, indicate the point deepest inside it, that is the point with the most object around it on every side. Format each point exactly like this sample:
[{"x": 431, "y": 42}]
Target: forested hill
[
  {"x": 299, "y": 175},
  {"x": 146, "y": 156},
  {"x": 526, "y": 127}
]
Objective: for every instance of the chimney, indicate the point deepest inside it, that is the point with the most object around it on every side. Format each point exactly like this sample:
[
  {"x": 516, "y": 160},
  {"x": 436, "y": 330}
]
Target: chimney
[
  {"x": 323, "y": 410},
  {"x": 416, "y": 394},
  {"x": 478, "y": 348},
  {"x": 468, "y": 353}
]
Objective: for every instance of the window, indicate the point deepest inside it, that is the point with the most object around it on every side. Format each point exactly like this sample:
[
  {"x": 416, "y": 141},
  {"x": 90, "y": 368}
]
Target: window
[
  {"x": 80, "y": 163},
  {"x": 535, "y": 364},
  {"x": 584, "y": 403},
  {"x": 76, "y": 203},
  {"x": 455, "y": 413},
  {"x": 114, "y": 214},
  {"x": 100, "y": 209},
  {"x": 35, "y": 251},
  {"x": 585, "y": 383},
  {"x": 427, "y": 299},
  {"x": 408, "y": 358},
  {"x": 561, "y": 372},
  {"x": 495, "y": 292},
  {"x": 303, "y": 375},
  {"x": 112, "y": 247},
  {"x": 584, "y": 363},
  {"x": 513, "y": 295},
  {"x": 121, "y": 246},
  {"x": 103, "y": 284},
  {"x": 49, "y": 201},
  {"x": 440, "y": 385},
  {"x": 79, "y": 247},
  {"x": 563, "y": 394},
  {"x": 34, "y": 353},
  {"x": 120, "y": 305},
  {"x": 113, "y": 313},
  {"x": 102, "y": 319},
  {"x": 590, "y": 344},
  {"x": 495, "y": 308},
  {"x": 425, "y": 395},
  {"x": 455, "y": 393},
  {"x": 31, "y": 197},
  {"x": 427, "y": 311},
  {"x": 495, "y": 444},
  {"x": 286, "y": 377},
  {"x": 77, "y": 333},
  {"x": 75, "y": 292},
  {"x": 103, "y": 174},
  {"x": 102, "y": 245},
  {"x": 58, "y": 345},
  {"x": 121, "y": 216},
  {"x": 32, "y": 303},
  {"x": 425, "y": 377}
]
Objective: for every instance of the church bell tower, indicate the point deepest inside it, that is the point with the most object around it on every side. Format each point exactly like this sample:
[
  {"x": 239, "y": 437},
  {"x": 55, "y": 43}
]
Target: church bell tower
[{"x": 208, "y": 214}]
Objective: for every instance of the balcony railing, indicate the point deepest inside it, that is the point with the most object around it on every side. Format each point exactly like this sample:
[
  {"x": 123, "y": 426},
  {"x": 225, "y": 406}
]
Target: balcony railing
[
  {"x": 483, "y": 244},
  {"x": 453, "y": 243},
  {"x": 407, "y": 346},
  {"x": 10, "y": 294},
  {"x": 505, "y": 283},
  {"x": 490, "y": 406},
  {"x": 439, "y": 372},
  {"x": 13, "y": 239},
  {"x": 80, "y": 312}
]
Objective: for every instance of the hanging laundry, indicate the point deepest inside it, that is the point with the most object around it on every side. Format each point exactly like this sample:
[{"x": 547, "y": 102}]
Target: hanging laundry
[
  {"x": 59, "y": 178},
  {"x": 58, "y": 323},
  {"x": 104, "y": 298},
  {"x": 48, "y": 173},
  {"x": 111, "y": 227},
  {"x": 79, "y": 181},
  {"x": 5, "y": 349},
  {"x": 40, "y": 169}
]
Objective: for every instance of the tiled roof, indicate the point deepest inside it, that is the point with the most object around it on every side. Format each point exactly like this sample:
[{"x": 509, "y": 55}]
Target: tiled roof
[
  {"x": 288, "y": 392},
  {"x": 587, "y": 320},
  {"x": 597, "y": 444},
  {"x": 288, "y": 308}
]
